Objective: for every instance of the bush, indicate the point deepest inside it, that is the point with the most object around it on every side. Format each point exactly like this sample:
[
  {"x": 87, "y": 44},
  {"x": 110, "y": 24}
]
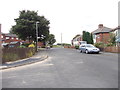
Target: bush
[
  {"x": 65, "y": 44},
  {"x": 26, "y": 44},
  {"x": 43, "y": 47},
  {"x": 99, "y": 45},
  {"x": 31, "y": 45},
  {"x": 22, "y": 46},
  {"x": 76, "y": 47},
  {"x": 110, "y": 44},
  {"x": 29, "y": 54}
]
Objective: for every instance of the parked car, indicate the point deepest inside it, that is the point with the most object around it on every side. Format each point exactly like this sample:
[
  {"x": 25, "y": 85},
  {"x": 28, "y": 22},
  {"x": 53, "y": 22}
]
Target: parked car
[
  {"x": 82, "y": 42},
  {"x": 88, "y": 48},
  {"x": 47, "y": 47},
  {"x": 4, "y": 45}
]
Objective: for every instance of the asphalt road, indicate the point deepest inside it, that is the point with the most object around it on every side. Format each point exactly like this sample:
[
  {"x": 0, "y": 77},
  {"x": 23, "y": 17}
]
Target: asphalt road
[{"x": 65, "y": 68}]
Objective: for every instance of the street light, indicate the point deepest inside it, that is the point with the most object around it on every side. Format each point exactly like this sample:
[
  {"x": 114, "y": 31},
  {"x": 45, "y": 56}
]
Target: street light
[{"x": 37, "y": 35}]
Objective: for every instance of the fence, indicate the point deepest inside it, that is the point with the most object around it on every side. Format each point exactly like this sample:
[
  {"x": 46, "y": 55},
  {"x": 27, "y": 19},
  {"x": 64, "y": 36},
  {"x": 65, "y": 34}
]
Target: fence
[
  {"x": 12, "y": 54},
  {"x": 69, "y": 47},
  {"x": 113, "y": 49}
]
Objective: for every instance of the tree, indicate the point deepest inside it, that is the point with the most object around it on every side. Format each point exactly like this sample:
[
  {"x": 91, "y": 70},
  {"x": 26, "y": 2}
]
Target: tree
[
  {"x": 92, "y": 42},
  {"x": 84, "y": 36},
  {"x": 25, "y": 26},
  {"x": 112, "y": 38},
  {"x": 87, "y": 37},
  {"x": 51, "y": 39}
]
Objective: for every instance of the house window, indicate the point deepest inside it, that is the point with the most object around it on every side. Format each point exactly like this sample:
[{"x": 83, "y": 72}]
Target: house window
[
  {"x": 78, "y": 39},
  {"x": 94, "y": 36},
  {"x": 12, "y": 38},
  {"x": 98, "y": 36},
  {"x": 2, "y": 36},
  {"x": 7, "y": 37}
]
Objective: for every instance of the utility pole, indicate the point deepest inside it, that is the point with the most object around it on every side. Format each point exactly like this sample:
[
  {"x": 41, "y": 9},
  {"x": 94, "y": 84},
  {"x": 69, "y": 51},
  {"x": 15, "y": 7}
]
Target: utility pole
[
  {"x": 61, "y": 38},
  {"x": 0, "y": 37},
  {"x": 36, "y": 36}
]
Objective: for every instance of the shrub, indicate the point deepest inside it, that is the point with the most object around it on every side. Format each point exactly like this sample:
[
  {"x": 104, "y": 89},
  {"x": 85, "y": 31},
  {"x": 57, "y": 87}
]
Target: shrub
[
  {"x": 29, "y": 54},
  {"x": 76, "y": 47},
  {"x": 43, "y": 47},
  {"x": 22, "y": 46},
  {"x": 110, "y": 44},
  {"x": 99, "y": 45},
  {"x": 31, "y": 45},
  {"x": 26, "y": 44}
]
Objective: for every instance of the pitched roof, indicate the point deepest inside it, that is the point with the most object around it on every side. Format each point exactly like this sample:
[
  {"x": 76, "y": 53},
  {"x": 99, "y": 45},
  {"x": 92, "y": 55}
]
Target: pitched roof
[
  {"x": 78, "y": 35},
  {"x": 102, "y": 30},
  {"x": 10, "y": 35},
  {"x": 117, "y": 28}
]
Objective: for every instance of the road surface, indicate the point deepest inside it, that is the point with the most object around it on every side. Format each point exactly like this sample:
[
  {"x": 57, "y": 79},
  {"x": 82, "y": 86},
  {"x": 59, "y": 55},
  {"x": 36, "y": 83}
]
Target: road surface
[{"x": 65, "y": 68}]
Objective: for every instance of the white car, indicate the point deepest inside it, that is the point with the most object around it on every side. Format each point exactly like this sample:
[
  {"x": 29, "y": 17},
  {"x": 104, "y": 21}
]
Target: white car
[{"x": 88, "y": 48}]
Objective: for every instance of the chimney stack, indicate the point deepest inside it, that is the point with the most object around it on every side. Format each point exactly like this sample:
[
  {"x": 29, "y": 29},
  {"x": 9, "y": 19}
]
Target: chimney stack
[{"x": 100, "y": 26}]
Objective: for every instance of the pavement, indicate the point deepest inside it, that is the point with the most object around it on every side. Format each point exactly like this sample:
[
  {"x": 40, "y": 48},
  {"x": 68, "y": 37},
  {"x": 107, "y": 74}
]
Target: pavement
[{"x": 40, "y": 56}]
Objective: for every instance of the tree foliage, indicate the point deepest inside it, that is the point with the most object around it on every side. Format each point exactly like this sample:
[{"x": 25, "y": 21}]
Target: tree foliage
[
  {"x": 87, "y": 37},
  {"x": 112, "y": 38},
  {"x": 91, "y": 35},
  {"x": 51, "y": 39},
  {"x": 25, "y": 26}
]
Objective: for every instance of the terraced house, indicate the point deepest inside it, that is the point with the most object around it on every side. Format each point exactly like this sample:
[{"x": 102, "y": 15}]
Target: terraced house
[
  {"x": 102, "y": 34},
  {"x": 7, "y": 38},
  {"x": 76, "y": 40}
]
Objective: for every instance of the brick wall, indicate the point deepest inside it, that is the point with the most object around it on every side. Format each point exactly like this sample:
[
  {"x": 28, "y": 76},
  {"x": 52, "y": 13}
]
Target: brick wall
[
  {"x": 112, "y": 49},
  {"x": 40, "y": 44},
  {"x": 103, "y": 37}
]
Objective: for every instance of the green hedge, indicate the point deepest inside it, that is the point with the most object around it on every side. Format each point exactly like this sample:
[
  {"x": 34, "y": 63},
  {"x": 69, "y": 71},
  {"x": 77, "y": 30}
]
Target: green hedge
[{"x": 76, "y": 47}]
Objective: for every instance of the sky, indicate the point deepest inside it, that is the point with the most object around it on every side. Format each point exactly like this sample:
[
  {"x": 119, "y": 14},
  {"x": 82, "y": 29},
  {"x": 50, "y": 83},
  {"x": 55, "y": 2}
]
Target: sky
[{"x": 69, "y": 17}]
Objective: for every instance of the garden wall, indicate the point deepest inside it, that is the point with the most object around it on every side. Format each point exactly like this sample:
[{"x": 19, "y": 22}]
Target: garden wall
[
  {"x": 13, "y": 54},
  {"x": 113, "y": 49}
]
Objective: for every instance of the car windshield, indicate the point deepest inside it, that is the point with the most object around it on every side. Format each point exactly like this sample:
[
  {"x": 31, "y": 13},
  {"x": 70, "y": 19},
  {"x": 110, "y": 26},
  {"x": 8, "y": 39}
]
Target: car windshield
[{"x": 90, "y": 46}]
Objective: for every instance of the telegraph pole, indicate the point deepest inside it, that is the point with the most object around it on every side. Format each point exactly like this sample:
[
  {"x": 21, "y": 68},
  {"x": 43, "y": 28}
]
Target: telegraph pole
[
  {"x": 61, "y": 39},
  {"x": 37, "y": 36},
  {"x": 0, "y": 46}
]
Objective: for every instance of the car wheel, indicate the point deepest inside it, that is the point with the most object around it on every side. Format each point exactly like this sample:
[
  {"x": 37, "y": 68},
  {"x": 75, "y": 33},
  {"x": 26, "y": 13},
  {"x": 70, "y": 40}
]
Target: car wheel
[
  {"x": 80, "y": 51},
  {"x": 97, "y": 52},
  {"x": 86, "y": 51}
]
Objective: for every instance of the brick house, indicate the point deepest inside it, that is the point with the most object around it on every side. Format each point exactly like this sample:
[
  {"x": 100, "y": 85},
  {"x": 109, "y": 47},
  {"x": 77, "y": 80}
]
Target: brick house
[
  {"x": 7, "y": 38},
  {"x": 116, "y": 31},
  {"x": 75, "y": 41},
  {"x": 102, "y": 34}
]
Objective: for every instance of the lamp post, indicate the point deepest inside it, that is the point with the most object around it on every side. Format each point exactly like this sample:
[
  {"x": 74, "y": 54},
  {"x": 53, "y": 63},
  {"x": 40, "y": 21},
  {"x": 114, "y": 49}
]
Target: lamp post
[
  {"x": 61, "y": 40},
  {"x": 37, "y": 36}
]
